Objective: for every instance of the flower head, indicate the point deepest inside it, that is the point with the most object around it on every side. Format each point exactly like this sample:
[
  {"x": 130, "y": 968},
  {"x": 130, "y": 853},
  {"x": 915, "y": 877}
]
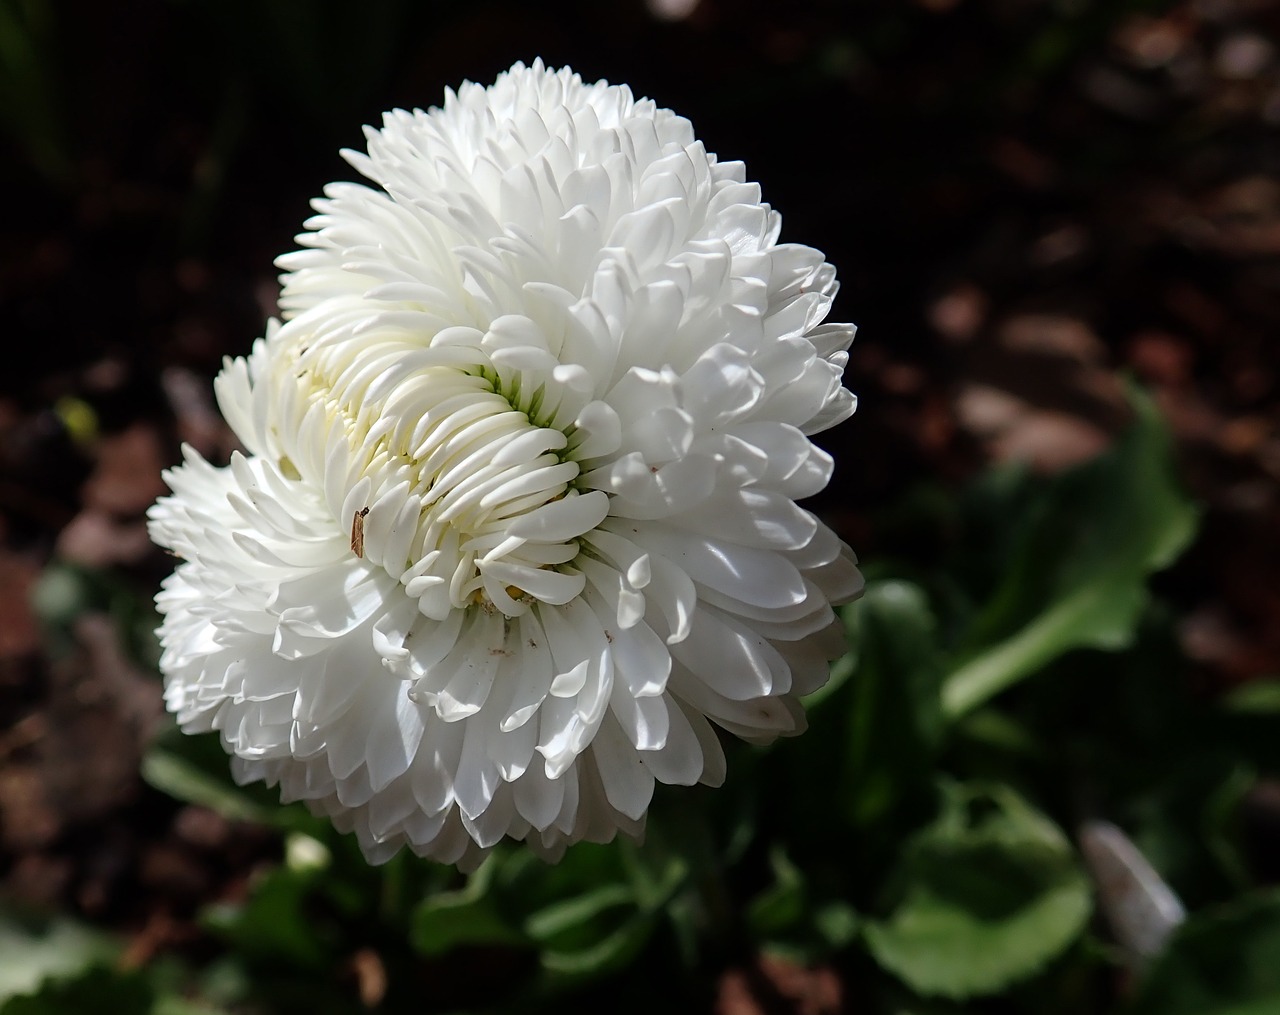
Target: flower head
[{"x": 516, "y": 520}]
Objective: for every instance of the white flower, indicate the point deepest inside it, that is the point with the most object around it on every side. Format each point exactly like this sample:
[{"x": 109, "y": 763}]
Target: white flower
[{"x": 517, "y": 513}]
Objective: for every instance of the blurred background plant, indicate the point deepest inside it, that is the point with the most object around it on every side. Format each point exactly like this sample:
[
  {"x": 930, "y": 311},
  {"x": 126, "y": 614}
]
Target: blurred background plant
[{"x": 1058, "y": 224}]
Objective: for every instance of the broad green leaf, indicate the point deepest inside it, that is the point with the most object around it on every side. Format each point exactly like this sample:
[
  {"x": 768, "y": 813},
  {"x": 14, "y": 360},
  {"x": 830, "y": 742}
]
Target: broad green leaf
[
  {"x": 277, "y": 923},
  {"x": 893, "y": 717},
  {"x": 94, "y": 990},
  {"x": 293, "y": 917},
  {"x": 34, "y": 951},
  {"x": 179, "y": 989},
  {"x": 985, "y": 897},
  {"x": 1224, "y": 961},
  {"x": 1078, "y": 579}
]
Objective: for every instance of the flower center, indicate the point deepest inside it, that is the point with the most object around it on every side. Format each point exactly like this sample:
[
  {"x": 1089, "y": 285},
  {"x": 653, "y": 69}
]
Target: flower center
[
  {"x": 480, "y": 466},
  {"x": 451, "y": 484}
]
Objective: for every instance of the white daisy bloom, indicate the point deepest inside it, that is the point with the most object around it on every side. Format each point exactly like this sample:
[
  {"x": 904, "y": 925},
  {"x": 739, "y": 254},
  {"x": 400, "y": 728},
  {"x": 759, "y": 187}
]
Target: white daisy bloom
[{"x": 516, "y": 521}]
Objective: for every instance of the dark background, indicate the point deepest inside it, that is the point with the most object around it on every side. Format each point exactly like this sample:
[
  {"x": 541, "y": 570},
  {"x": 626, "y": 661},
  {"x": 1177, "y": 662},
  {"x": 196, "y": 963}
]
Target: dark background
[{"x": 1025, "y": 200}]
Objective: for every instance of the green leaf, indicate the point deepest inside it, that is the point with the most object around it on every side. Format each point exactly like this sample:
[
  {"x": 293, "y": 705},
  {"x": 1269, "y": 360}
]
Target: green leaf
[
  {"x": 95, "y": 990},
  {"x": 997, "y": 732},
  {"x": 894, "y": 717},
  {"x": 654, "y": 873},
  {"x": 837, "y": 924},
  {"x": 1224, "y": 961},
  {"x": 781, "y": 906},
  {"x": 471, "y": 915},
  {"x": 278, "y": 922},
  {"x": 611, "y": 952},
  {"x": 172, "y": 1004},
  {"x": 195, "y": 769},
  {"x": 1251, "y": 716},
  {"x": 794, "y": 917},
  {"x": 184, "y": 781},
  {"x": 585, "y": 916},
  {"x": 594, "y": 932},
  {"x": 569, "y": 916},
  {"x": 985, "y": 897},
  {"x": 1078, "y": 578},
  {"x": 444, "y": 927},
  {"x": 1258, "y": 697},
  {"x": 32, "y": 952}
]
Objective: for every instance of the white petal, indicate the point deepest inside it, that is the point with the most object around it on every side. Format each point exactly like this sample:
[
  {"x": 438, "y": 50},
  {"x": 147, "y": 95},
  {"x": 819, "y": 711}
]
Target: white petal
[
  {"x": 759, "y": 577},
  {"x": 538, "y": 799},
  {"x": 567, "y": 518},
  {"x": 645, "y": 721},
  {"x": 680, "y": 761},
  {"x": 628, "y": 785},
  {"x": 536, "y": 675}
]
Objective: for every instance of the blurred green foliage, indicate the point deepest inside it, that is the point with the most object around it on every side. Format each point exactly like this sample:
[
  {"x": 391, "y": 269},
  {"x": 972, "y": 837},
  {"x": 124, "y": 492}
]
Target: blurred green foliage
[{"x": 1010, "y": 682}]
